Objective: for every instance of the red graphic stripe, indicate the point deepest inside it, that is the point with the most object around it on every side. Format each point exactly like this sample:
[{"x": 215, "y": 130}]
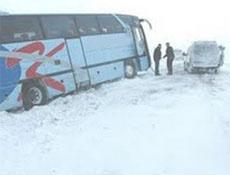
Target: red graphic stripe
[
  {"x": 32, "y": 71},
  {"x": 31, "y": 48},
  {"x": 54, "y": 84},
  {"x": 49, "y": 81},
  {"x": 56, "y": 50}
]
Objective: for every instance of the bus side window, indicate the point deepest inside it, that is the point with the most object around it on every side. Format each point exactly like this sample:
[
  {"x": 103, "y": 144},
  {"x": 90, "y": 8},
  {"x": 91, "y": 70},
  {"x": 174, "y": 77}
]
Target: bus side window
[
  {"x": 126, "y": 19},
  {"x": 87, "y": 25},
  {"x": 110, "y": 24},
  {"x": 59, "y": 27},
  {"x": 20, "y": 28}
]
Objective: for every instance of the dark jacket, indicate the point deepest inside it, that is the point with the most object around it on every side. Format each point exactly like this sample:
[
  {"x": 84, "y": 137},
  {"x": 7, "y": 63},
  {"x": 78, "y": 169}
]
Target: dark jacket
[
  {"x": 157, "y": 54},
  {"x": 169, "y": 53}
]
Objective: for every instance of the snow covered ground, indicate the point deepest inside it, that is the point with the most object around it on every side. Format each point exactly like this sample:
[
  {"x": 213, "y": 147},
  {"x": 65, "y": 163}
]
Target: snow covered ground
[{"x": 167, "y": 125}]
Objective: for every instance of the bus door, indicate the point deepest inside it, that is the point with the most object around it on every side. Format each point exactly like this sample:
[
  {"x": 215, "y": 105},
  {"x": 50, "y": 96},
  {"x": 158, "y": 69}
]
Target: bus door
[
  {"x": 141, "y": 45},
  {"x": 78, "y": 61}
]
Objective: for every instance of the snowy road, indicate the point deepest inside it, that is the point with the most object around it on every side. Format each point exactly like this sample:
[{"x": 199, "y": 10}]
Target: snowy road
[{"x": 177, "y": 125}]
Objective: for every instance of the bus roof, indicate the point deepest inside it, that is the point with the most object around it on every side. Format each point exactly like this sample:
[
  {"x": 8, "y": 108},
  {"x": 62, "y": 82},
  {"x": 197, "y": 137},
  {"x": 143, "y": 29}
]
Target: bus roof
[{"x": 66, "y": 14}]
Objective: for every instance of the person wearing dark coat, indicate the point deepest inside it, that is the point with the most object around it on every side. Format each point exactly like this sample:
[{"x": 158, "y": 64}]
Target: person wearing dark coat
[
  {"x": 157, "y": 57},
  {"x": 170, "y": 57}
]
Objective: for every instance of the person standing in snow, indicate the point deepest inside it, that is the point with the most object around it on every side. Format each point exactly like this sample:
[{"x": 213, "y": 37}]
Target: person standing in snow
[
  {"x": 157, "y": 57},
  {"x": 170, "y": 57}
]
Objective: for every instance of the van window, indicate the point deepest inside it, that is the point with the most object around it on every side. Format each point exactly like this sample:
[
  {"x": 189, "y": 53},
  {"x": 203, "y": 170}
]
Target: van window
[
  {"x": 87, "y": 25},
  {"x": 18, "y": 29},
  {"x": 109, "y": 24},
  {"x": 59, "y": 27}
]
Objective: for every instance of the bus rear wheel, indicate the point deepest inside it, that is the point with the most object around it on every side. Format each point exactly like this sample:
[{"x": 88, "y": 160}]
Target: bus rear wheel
[
  {"x": 130, "y": 71},
  {"x": 33, "y": 95}
]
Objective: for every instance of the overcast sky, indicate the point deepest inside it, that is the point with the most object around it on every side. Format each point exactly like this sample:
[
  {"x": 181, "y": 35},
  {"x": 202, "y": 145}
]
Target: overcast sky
[{"x": 177, "y": 21}]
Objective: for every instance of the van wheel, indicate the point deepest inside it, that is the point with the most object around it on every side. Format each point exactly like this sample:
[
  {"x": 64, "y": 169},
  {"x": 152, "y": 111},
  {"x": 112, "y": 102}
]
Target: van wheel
[
  {"x": 189, "y": 69},
  {"x": 33, "y": 95},
  {"x": 130, "y": 71}
]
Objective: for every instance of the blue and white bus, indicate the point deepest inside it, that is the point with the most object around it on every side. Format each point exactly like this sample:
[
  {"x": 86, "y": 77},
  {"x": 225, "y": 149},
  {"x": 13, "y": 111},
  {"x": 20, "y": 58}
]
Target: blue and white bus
[{"x": 45, "y": 56}]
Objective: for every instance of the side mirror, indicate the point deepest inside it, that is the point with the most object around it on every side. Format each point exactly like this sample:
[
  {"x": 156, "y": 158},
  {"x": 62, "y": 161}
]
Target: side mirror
[{"x": 147, "y": 21}]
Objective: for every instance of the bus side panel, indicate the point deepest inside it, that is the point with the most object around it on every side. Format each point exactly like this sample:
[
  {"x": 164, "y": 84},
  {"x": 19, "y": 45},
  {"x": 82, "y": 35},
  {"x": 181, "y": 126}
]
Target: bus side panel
[
  {"x": 66, "y": 84},
  {"x": 108, "y": 48},
  {"x": 11, "y": 72},
  {"x": 58, "y": 51},
  {"x": 19, "y": 66},
  {"x": 60, "y": 78},
  {"x": 59, "y": 65},
  {"x": 144, "y": 61},
  {"x": 55, "y": 49},
  {"x": 106, "y": 72},
  {"x": 14, "y": 100}
]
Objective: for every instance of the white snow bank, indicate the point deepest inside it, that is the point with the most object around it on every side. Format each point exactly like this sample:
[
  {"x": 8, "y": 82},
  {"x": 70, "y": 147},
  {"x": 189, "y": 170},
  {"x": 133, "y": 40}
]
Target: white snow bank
[{"x": 150, "y": 125}]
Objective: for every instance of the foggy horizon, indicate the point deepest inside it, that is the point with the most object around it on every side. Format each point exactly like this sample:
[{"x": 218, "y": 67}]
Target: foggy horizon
[{"x": 179, "y": 22}]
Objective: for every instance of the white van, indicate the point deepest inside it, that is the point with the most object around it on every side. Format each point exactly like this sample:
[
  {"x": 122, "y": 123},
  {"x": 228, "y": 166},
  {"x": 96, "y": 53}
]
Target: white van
[{"x": 204, "y": 56}]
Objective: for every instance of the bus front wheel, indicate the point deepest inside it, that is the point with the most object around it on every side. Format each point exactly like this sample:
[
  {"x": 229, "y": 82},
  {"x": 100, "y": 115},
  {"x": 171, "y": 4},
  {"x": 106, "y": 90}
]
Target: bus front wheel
[
  {"x": 130, "y": 71},
  {"x": 33, "y": 95}
]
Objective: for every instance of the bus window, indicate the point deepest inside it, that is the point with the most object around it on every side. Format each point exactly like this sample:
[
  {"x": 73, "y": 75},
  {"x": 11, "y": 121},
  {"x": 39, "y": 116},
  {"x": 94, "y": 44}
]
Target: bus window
[
  {"x": 110, "y": 24},
  {"x": 139, "y": 34},
  {"x": 136, "y": 22},
  {"x": 87, "y": 25},
  {"x": 126, "y": 19},
  {"x": 20, "y": 28},
  {"x": 59, "y": 27}
]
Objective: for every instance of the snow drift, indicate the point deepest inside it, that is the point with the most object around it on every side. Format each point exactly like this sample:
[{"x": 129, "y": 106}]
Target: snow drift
[{"x": 149, "y": 125}]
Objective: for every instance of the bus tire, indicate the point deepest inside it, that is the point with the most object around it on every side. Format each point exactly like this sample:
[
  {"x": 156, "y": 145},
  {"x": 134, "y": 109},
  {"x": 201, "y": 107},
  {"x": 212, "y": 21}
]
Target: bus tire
[
  {"x": 130, "y": 71},
  {"x": 34, "y": 94}
]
